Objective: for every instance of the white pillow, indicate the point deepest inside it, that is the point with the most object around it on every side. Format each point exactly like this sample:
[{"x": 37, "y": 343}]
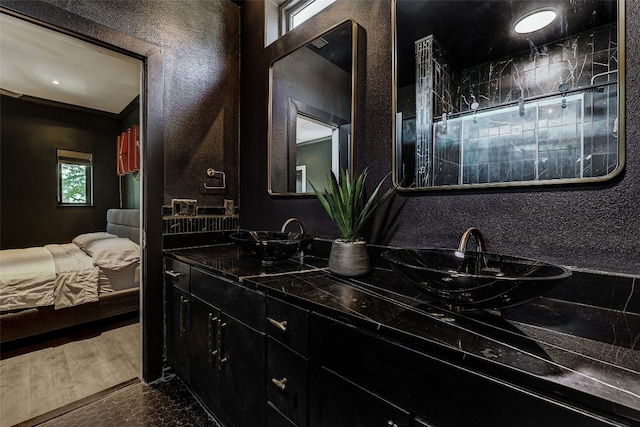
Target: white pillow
[
  {"x": 84, "y": 240},
  {"x": 114, "y": 254}
]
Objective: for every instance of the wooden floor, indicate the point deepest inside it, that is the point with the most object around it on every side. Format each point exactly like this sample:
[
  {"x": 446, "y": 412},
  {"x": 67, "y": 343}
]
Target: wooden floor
[{"x": 58, "y": 373}]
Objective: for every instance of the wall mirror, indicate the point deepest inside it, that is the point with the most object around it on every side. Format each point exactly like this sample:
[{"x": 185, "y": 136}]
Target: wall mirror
[
  {"x": 311, "y": 112},
  {"x": 507, "y": 92}
]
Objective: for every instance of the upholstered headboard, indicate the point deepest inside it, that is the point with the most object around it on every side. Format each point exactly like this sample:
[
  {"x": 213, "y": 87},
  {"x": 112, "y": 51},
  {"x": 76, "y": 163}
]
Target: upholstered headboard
[{"x": 124, "y": 223}]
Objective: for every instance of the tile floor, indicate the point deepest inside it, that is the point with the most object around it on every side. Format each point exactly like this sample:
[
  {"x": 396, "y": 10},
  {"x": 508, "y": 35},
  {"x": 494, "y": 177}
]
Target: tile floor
[{"x": 165, "y": 402}]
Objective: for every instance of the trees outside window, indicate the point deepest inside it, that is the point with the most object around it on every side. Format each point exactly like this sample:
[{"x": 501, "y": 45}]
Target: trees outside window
[{"x": 74, "y": 178}]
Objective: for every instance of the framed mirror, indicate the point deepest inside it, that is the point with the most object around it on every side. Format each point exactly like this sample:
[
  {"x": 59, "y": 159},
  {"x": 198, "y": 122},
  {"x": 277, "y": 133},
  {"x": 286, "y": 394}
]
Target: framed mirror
[
  {"x": 312, "y": 112},
  {"x": 483, "y": 100}
]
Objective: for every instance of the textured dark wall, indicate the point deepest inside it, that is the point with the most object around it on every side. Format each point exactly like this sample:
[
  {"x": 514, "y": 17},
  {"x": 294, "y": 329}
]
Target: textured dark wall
[
  {"x": 30, "y": 135},
  {"x": 595, "y": 227},
  {"x": 200, "y": 52}
]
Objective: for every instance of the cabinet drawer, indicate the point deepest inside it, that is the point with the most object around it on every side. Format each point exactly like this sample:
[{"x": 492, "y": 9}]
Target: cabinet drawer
[
  {"x": 276, "y": 419},
  {"x": 287, "y": 381},
  {"x": 430, "y": 386},
  {"x": 338, "y": 402},
  {"x": 244, "y": 304},
  {"x": 289, "y": 324},
  {"x": 177, "y": 274}
]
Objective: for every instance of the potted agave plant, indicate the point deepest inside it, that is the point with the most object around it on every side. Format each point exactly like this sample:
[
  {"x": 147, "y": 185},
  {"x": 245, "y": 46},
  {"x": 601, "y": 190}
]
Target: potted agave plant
[{"x": 350, "y": 210}]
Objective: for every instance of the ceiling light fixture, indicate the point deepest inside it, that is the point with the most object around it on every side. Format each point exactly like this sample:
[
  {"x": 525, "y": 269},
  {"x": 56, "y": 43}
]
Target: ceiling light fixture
[
  {"x": 535, "y": 20},
  {"x": 56, "y": 82}
]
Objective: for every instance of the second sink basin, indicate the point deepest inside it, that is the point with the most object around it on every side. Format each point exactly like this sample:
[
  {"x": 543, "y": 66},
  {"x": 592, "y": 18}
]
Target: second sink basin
[
  {"x": 271, "y": 246},
  {"x": 475, "y": 279}
]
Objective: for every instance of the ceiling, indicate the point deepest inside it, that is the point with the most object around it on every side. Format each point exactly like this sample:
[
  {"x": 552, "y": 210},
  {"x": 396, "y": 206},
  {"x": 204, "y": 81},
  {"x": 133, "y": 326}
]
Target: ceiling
[
  {"x": 89, "y": 76},
  {"x": 474, "y": 32},
  {"x": 335, "y": 46}
]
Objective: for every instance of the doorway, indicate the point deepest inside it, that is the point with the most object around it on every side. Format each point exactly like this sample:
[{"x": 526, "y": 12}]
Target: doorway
[{"x": 151, "y": 87}]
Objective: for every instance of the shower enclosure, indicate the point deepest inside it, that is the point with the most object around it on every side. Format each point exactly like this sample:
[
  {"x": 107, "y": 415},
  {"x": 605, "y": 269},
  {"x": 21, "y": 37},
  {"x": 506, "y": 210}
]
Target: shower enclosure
[
  {"x": 543, "y": 109},
  {"x": 551, "y": 138}
]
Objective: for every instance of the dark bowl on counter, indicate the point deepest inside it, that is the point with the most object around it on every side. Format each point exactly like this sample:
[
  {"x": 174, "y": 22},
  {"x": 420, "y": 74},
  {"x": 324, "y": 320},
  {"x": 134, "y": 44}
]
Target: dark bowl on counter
[
  {"x": 475, "y": 280},
  {"x": 271, "y": 246}
]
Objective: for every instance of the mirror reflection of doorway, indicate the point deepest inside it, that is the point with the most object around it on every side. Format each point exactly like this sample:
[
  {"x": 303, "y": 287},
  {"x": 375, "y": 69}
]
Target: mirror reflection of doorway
[
  {"x": 301, "y": 178},
  {"x": 317, "y": 152},
  {"x": 47, "y": 372}
]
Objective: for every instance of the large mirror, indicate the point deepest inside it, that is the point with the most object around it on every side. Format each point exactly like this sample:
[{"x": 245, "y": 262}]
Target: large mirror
[
  {"x": 507, "y": 92},
  {"x": 311, "y": 112}
]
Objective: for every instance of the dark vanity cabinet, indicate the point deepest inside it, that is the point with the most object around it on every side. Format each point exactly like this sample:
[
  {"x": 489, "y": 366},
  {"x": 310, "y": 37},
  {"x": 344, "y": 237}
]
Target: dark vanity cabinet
[
  {"x": 229, "y": 348},
  {"x": 268, "y": 351},
  {"x": 338, "y": 402},
  {"x": 301, "y": 392},
  {"x": 215, "y": 342},
  {"x": 206, "y": 358},
  {"x": 178, "y": 314},
  {"x": 287, "y": 364},
  {"x": 385, "y": 381}
]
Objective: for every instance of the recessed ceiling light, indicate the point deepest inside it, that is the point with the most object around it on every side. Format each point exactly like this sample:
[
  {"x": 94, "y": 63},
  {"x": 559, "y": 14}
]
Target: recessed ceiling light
[
  {"x": 56, "y": 82},
  {"x": 534, "y": 21}
]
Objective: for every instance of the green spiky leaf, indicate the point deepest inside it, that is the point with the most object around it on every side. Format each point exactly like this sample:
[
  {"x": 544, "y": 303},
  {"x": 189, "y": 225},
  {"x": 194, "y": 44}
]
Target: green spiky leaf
[{"x": 345, "y": 202}]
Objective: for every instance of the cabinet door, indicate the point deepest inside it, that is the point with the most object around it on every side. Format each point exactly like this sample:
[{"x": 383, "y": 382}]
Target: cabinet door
[
  {"x": 243, "y": 373},
  {"x": 337, "y": 402},
  {"x": 205, "y": 353},
  {"x": 177, "y": 335}
]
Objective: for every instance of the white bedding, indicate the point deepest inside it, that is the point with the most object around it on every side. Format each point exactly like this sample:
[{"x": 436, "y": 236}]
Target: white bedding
[
  {"x": 114, "y": 254},
  {"x": 27, "y": 278},
  {"x": 76, "y": 276},
  {"x": 64, "y": 275},
  {"x": 117, "y": 280}
]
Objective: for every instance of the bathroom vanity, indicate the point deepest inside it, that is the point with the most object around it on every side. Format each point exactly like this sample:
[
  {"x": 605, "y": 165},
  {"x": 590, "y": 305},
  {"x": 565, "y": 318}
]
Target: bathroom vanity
[{"x": 293, "y": 345}]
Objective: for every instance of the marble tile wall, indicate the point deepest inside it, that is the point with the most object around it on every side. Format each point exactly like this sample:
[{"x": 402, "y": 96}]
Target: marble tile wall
[
  {"x": 540, "y": 71},
  {"x": 552, "y": 134}
]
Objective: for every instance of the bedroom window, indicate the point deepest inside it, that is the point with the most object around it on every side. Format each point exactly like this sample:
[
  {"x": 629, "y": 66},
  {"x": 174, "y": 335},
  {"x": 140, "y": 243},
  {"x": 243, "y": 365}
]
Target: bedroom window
[{"x": 75, "y": 178}]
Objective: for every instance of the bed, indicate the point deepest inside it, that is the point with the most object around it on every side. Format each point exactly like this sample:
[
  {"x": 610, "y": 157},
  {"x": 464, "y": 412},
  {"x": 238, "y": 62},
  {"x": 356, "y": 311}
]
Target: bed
[{"x": 96, "y": 276}]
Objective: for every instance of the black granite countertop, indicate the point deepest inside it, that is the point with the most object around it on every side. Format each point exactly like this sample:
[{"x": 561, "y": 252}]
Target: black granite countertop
[{"x": 533, "y": 345}]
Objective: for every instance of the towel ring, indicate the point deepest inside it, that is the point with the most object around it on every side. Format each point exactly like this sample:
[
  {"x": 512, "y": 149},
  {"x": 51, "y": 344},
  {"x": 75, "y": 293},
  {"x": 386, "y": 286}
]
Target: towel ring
[{"x": 212, "y": 173}]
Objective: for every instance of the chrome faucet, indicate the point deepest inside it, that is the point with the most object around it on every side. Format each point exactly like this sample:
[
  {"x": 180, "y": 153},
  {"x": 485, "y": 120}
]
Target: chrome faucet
[
  {"x": 462, "y": 247},
  {"x": 289, "y": 221}
]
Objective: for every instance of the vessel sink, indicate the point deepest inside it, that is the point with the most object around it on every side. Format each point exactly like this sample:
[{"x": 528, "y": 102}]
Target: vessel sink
[
  {"x": 475, "y": 280},
  {"x": 271, "y": 246}
]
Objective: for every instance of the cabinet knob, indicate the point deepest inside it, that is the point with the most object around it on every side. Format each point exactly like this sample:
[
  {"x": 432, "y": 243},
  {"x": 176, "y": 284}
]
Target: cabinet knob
[
  {"x": 280, "y": 325},
  {"x": 281, "y": 384},
  {"x": 173, "y": 273},
  {"x": 391, "y": 423}
]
